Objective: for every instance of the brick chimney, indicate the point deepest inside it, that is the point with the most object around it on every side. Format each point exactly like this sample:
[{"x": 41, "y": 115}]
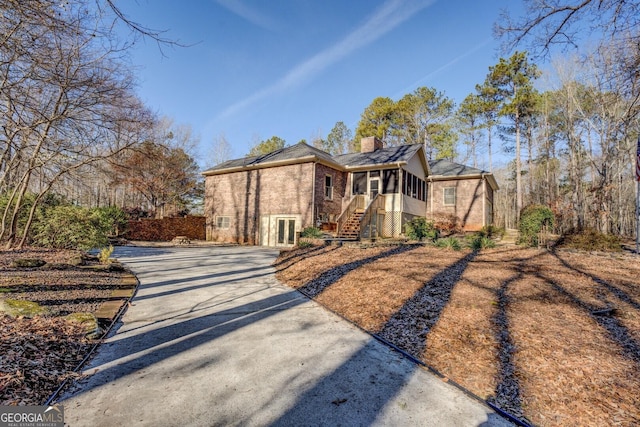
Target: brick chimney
[{"x": 370, "y": 144}]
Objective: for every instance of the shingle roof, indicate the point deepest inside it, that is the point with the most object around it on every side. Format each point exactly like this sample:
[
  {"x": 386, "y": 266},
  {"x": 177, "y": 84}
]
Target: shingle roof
[
  {"x": 298, "y": 151},
  {"x": 400, "y": 153},
  {"x": 447, "y": 168},
  {"x": 389, "y": 155}
]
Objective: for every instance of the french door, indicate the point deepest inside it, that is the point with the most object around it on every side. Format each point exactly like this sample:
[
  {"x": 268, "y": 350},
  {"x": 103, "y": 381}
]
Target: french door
[{"x": 286, "y": 234}]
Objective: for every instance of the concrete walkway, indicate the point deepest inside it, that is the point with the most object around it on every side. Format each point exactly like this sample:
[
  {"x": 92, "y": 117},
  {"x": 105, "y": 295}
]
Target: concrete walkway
[{"x": 212, "y": 339}]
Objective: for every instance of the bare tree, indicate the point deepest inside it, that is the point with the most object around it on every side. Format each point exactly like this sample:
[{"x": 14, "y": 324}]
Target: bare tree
[
  {"x": 562, "y": 23},
  {"x": 220, "y": 150},
  {"x": 66, "y": 99}
]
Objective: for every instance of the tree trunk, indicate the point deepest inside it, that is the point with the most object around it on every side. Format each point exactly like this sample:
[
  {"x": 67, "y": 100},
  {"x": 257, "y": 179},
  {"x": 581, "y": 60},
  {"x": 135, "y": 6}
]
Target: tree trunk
[{"x": 518, "y": 168}]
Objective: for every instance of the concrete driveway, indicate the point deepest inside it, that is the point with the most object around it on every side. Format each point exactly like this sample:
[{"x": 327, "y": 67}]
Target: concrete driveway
[{"x": 213, "y": 339}]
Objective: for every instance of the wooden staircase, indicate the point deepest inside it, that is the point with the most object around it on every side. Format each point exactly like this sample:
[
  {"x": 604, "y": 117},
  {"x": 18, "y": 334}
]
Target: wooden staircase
[{"x": 351, "y": 228}]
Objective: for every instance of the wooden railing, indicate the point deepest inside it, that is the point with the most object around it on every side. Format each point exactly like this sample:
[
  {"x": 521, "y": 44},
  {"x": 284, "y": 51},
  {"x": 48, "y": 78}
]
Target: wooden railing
[
  {"x": 356, "y": 202},
  {"x": 371, "y": 226}
]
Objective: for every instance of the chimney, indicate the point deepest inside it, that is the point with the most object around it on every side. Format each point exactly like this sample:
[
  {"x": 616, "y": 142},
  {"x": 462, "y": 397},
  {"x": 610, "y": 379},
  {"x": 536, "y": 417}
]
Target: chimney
[{"x": 370, "y": 144}]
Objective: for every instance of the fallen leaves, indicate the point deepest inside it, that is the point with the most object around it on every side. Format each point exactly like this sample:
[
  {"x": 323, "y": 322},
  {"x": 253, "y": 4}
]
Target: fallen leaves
[
  {"x": 37, "y": 355},
  {"x": 512, "y": 325},
  {"x": 39, "y": 352}
]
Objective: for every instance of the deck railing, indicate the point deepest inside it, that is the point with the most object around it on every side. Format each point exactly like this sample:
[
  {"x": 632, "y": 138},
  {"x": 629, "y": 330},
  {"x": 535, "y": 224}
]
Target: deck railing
[
  {"x": 356, "y": 202},
  {"x": 371, "y": 226}
]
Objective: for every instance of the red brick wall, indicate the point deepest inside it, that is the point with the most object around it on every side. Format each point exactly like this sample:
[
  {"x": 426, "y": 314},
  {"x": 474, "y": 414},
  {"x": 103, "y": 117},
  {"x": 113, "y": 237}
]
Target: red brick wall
[
  {"x": 244, "y": 196},
  {"x": 324, "y": 205},
  {"x": 166, "y": 229},
  {"x": 468, "y": 207}
]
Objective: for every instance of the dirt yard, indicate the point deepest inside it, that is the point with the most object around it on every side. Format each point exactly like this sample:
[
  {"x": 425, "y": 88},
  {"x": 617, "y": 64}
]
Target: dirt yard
[
  {"x": 39, "y": 345},
  {"x": 552, "y": 337}
]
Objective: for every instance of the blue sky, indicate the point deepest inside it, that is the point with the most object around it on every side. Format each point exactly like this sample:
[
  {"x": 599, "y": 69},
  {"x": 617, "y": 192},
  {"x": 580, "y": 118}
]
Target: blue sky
[{"x": 293, "y": 68}]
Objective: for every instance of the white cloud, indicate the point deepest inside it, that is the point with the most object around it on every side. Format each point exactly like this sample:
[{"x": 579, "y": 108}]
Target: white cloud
[
  {"x": 245, "y": 12},
  {"x": 455, "y": 60},
  {"x": 384, "y": 19}
]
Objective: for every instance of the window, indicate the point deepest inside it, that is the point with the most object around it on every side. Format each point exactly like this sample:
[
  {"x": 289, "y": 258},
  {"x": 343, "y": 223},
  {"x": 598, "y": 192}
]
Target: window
[
  {"x": 390, "y": 181},
  {"x": 404, "y": 182},
  {"x": 359, "y": 183},
  {"x": 414, "y": 187},
  {"x": 449, "y": 196},
  {"x": 328, "y": 187},
  {"x": 222, "y": 222}
]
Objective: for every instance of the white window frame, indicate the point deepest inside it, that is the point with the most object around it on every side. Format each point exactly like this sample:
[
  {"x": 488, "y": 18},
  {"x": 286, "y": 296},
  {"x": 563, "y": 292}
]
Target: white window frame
[
  {"x": 444, "y": 196},
  {"x": 223, "y": 222},
  {"x": 328, "y": 189}
]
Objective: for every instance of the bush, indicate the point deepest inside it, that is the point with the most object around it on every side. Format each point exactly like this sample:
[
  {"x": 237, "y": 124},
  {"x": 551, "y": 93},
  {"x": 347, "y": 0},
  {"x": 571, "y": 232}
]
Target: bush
[
  {"x": 492, "y": 232},
  {"x": 419, "y": 229},
  {"x": 592, "y": 240},
  {"x": 113, "y": 219},
  {"x": 70, "y": 227},
  {"x": 534, "y": 219},
  {"x": 446, "y": 223},
  {"x": 105, "y": 254},
  {"x": 304, "y": 244},
  {"x": 449, "y": 243},
  {"x": 48, "y": 201},
  {"x": 478, "y": 242},
  {"x": 311, "y": 232}
]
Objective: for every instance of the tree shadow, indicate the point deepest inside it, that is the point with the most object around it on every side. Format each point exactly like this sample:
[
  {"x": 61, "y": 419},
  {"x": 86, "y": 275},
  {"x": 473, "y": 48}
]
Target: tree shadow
[
  {"x": 294, "y": 256},
  {"x": 425, "y": 307},
  {"x": 614, "y": 290},
  {"x": 618, "y": 333},
  {"x": 508, "y": 395},
  {"x": 319, "y": 284},
  {"x": 356, "y": 391},
  {"x": 128, "y": 354}
]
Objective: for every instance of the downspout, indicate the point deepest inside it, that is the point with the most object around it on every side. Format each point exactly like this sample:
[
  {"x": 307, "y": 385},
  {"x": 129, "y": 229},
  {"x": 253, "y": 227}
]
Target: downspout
[
  {"x": 431, "y": 191},
  {"x": 484, "y": 200},
  {"x": 313, "y": 195},
  {"x": 399, "y": 229}
]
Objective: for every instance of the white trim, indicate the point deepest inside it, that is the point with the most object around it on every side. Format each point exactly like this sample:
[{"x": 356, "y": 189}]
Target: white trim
[{"x": 444, "y": 196}]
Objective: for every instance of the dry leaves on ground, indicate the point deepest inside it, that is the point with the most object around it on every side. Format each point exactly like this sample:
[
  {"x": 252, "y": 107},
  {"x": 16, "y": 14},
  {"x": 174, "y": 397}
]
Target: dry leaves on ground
[
  {"x": 523, "y": 328},
  {"x": 37, "y": 354}
]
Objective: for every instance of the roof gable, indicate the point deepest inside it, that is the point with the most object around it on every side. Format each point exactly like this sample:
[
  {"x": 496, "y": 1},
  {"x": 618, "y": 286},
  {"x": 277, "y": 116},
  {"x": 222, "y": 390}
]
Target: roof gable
[
  {"x": 446, "y": 168},
  {"x": 384, "y": 156},
  {"x": 291, "y": 154},
  {"x": 443, "y": 169}
]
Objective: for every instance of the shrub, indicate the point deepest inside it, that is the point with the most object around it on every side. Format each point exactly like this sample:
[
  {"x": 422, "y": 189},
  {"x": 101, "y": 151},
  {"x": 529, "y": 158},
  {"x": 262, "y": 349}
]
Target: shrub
[
  {"x": 478, "y": 242},
  {"x": 419, "y": 229},
  {"x": 105, "y": 254},
  {"x": 113, "y": 219},
  {"x": 70, "y": 227},
  {"x": 304, "y": 244},
  {"x": 311, "y": 232},
  {"x": 534, "y": 219},
  {"x": 592, "y": 240},
  {"x": 491, "y": 231},
  {"x": 50, "y": 200},
  {"x": 449, "y": 243},
  {"x": 446, "y": 223}
]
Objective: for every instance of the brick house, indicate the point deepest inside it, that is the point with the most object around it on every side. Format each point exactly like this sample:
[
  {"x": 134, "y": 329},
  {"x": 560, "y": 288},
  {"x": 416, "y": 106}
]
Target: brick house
[
  {"x": 461, "y": 192},
  {"x": 266, "y": 200}
]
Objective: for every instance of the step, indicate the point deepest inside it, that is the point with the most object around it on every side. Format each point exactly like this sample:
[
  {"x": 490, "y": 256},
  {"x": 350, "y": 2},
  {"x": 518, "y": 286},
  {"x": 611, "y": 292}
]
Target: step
[{"x": 108, "y": 310}]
